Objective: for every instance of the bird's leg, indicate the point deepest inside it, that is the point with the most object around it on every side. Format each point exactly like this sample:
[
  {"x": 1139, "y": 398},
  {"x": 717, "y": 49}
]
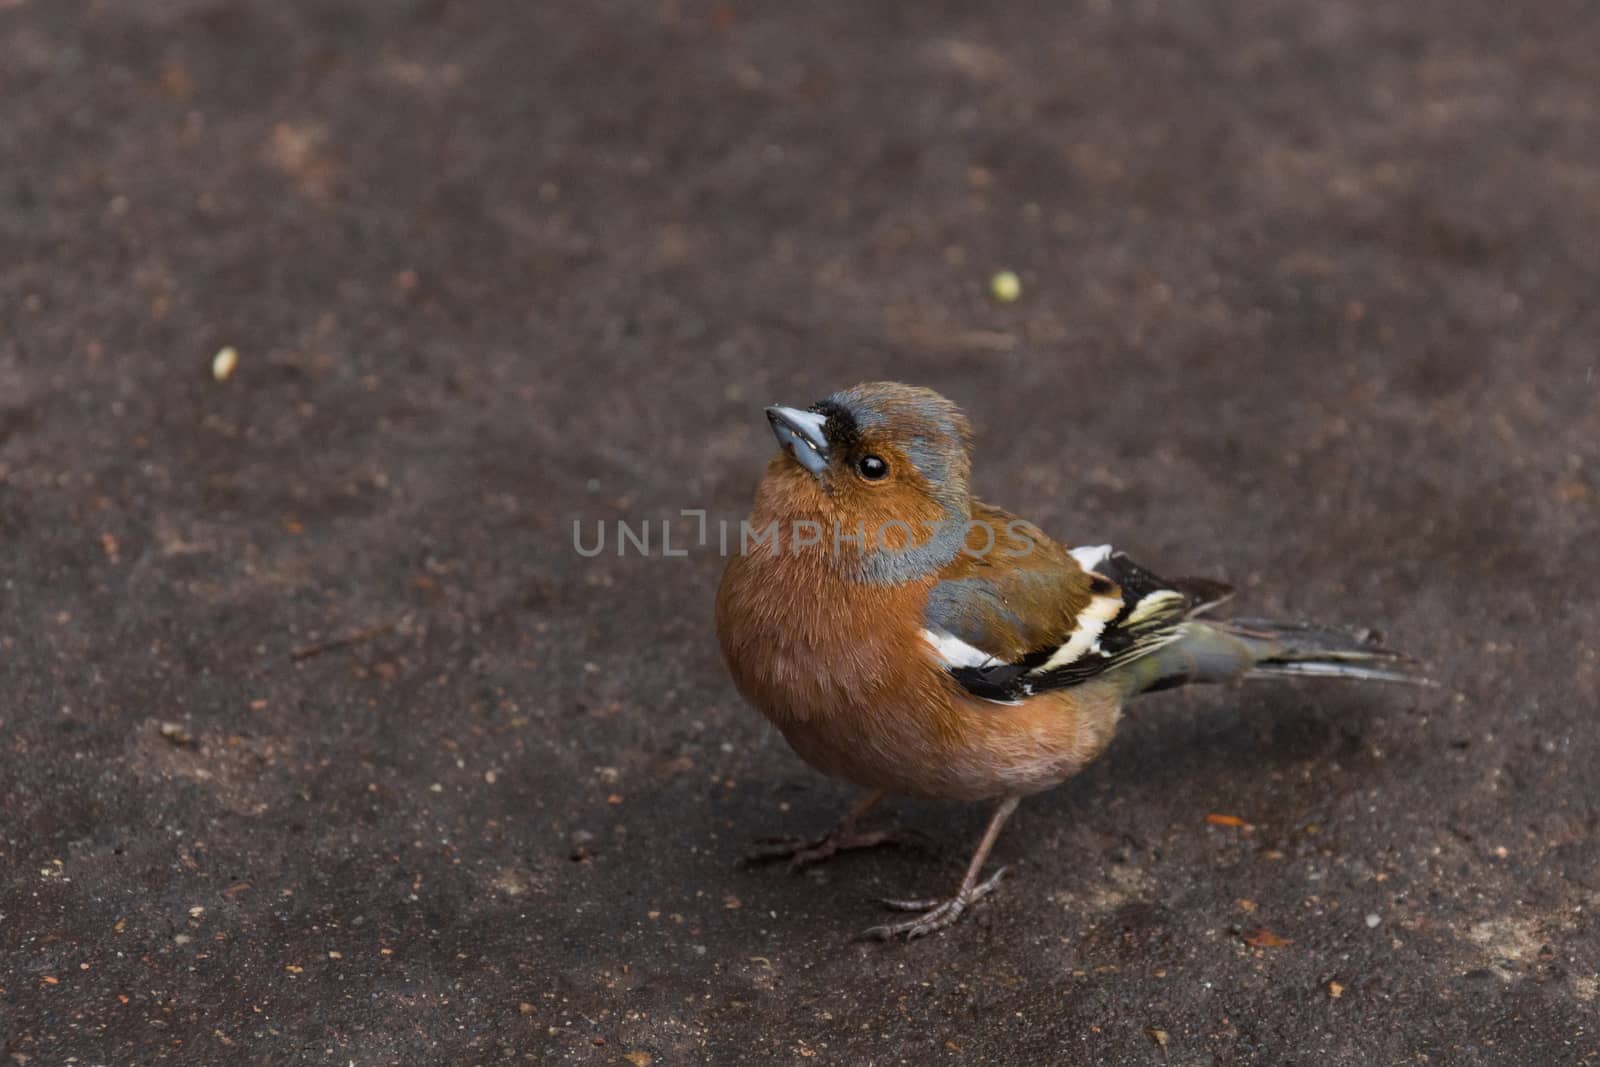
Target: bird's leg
[
  {"x": 937, "y": 914},
  {"x": 804, "y": 851}
]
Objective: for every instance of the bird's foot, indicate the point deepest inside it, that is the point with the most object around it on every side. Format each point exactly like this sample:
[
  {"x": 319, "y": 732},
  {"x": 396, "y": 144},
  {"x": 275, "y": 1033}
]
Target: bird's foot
[
  {"x": 936, "y": 914},
  {"x": 805, "y": 851}
]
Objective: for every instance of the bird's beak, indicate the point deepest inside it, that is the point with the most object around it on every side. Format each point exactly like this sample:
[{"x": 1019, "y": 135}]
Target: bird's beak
[{"x": 800, "y": 433}]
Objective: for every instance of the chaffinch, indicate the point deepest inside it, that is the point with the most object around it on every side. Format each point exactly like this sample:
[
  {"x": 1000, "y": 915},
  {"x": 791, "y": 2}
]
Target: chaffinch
[{"x": 912, "y": 640}]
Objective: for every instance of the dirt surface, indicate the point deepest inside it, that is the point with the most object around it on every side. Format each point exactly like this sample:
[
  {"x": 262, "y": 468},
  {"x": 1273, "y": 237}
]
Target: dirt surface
[{"x": 320, "y": 743}]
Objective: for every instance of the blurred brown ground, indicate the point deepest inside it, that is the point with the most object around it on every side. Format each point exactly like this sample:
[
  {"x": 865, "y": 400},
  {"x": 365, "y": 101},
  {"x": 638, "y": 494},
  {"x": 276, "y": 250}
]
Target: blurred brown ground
[{"x": 1309, "y": 301}]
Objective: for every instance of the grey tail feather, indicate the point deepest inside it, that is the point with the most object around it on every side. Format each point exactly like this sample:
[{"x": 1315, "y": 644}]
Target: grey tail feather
[
  {"x": 1223, "y": 651},
  {"x": 1310, "y": 650}
]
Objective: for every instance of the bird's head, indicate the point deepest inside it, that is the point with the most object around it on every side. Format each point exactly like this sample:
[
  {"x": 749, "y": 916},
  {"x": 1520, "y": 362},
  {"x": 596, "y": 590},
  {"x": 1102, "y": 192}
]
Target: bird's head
[{"x": 884, "y": 457}]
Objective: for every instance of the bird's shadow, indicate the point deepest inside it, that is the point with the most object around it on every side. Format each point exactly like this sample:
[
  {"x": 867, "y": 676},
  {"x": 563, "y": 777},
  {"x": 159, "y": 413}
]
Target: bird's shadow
[{"x": 1170, "y": 754}]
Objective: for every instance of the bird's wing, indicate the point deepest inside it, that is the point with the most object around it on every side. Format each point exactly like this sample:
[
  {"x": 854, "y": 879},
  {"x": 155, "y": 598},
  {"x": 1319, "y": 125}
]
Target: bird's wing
[{"x": 1028, "y": 616}]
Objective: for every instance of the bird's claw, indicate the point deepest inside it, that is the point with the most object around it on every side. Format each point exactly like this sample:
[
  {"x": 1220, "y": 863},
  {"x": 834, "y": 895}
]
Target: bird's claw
[
  {"x": 802, "y": 852},
  {"x": 799, "y": 851},
  {"x": 937, "y": 914}
]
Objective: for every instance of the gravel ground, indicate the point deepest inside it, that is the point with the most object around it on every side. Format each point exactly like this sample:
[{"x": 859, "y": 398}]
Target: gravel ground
[{"x": 321, "y": 743}]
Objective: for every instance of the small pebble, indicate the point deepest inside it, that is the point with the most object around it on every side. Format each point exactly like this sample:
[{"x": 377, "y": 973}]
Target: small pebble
[
  {"x": 1373, "y": 920},
  {"x": 224, "y": 363}
]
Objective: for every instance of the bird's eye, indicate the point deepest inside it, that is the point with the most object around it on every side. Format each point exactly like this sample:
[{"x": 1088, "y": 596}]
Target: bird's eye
[{"x": 872, "y": 468}]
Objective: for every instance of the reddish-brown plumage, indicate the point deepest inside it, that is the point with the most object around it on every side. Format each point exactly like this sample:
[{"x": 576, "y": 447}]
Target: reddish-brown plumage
[{"x": 842, "y": 669}]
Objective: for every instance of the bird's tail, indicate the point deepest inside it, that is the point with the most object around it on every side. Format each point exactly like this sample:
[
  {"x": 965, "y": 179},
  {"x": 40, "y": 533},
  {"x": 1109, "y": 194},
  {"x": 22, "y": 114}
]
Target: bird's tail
[{"x": 1222, "y": 651}]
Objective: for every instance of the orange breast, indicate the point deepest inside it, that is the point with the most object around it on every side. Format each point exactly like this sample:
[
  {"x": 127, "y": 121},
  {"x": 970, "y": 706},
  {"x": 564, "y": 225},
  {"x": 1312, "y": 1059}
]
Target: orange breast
[{"x": 842, "y": 670}]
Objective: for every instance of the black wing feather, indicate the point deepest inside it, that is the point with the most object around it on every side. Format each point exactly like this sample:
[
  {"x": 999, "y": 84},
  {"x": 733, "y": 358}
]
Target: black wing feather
[{"x": 1152, "y": 610}]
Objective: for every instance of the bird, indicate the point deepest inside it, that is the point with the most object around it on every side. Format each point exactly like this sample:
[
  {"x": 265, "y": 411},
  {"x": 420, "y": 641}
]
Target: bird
[{"x": 914, "y": 641}]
